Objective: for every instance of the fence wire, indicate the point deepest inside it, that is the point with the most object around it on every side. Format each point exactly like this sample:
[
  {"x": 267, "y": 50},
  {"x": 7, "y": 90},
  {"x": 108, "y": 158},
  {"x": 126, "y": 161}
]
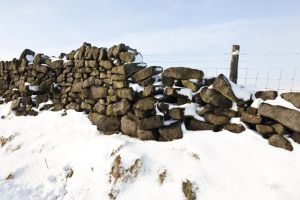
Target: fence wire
[{"x": 270, "y": 76}]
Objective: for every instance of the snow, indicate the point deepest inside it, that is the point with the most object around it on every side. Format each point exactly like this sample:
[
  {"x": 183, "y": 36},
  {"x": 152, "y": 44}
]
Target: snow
[
  {"x": 186, "y": 92},
  {"x": 240, "y": 91},
  {"x": 276, "y": 102},
  {"x": 229, "y": 166},
  {"x": 136, "y": 87},
  {"x": 236, "y": 52},
  {"x": 34, "y": 88}
]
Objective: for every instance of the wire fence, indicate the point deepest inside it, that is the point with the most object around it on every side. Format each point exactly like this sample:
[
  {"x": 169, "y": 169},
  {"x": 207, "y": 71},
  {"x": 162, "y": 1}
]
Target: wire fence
[
  {"x": 256, "y": 70},
  {"x": 282, "y": 79}
]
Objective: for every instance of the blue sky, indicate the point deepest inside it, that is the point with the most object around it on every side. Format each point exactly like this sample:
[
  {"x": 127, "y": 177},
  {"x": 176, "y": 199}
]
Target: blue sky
[{"x": 165, "y": 31}]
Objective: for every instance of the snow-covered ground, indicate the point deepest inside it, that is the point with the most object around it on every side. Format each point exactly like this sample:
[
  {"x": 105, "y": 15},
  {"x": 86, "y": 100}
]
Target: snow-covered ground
[{"x": 56, "y": 156}]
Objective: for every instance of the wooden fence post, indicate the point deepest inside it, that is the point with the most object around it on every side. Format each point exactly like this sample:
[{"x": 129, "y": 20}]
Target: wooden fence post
[{"x": 234, "y": 63}]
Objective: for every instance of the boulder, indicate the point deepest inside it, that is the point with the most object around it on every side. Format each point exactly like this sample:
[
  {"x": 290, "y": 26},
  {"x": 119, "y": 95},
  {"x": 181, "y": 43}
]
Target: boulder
[
  {"x": 234, "y": 128},
  {"x": 146, "y": 134},
  {"x": 15, "y": 104},
  {"x": 183, "y": 73},
  {"x": 77, "y": 87},
  {"x": 100, "y": 107},
  {"x": 191, "y": 85},
  {"x": 292, "y": 97},
  {"x": 171, "y": 132},
  {"x": 129, "y": 126},
  {"x": 125, "y": 93},
  {"x": 151, "y": 122},
  {"x": 98, "y": 92},
  {"x": 216, "y": 119},
  {"x": 265, "y": 131},
  {"x": 108, "y": 124},
  {"x": 266, "y": 95},
  {"x": 121, "y": 107},
  {"x": 57, "y": 64},
  {"x": 296, "y": 137},
  {"x": 146, "y": 73},
  {"x": 196, "y": 125},
  {"x": 176, "y": 113},
  {"x": 215, "y": 98},
  {"x": 251, "y": 119},
  {"x": 128, "y": 69},
  {"x": 106, "y": 64},
  {"x": 88, "y": 82},
  {"x": 147, "y": 103},
  {"x": 38, "y": 59},
  {"x": 127, "y": 57},
  {"x": 25, "y": 53},
  {"x": 288, "y": 117},
  {"x": 279, "y": 129},
  {"x": 223, "y": 85},
  {"x": 46, "y": 85},
  {"x": 281, "y": 142}
]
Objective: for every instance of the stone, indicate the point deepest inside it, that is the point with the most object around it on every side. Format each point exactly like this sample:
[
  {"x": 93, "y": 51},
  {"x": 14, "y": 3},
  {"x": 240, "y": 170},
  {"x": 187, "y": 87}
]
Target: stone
[
  {"x": 146, "y": 134},
  {"x": 132, "y": 68},
  {"x": 288, "y": 117},
  {"x": 251, "y": 110},
  {"x": 196, "y": 125},
  {"x": 88, "y": 82},
  {"x": 183, "y": 73},
  {"x": 85, "y": 106},
  {"x": 215, "y": 98},
  {"x": 143, "y": 113},
  {"x": 146, "y": 73},
  {"x": 281, "y": 142},
  {"x": 265, "y": 131},
  {"x": 46, "y": 85},
  {"x": 98, "y": 92},
  {"x": 145, "y": 82},
  {"x": 292, "y": 97},
  {"x": 225, "y": 111},
  {"x": 25, "y": 53},
  {"x": 296, "y": 137},
  {"x": 100, "y": 107},
  {"x": 151, "y": 122},
  {"x": 121, "y": 107},
  {"x": 106, "y": 64},
  {"x": 234, "y": 128},
  {"x": 251, "y": 119},
  {"x": 120, "y": 84},
  {"x": 129, "y": 126},
  {"x": 279, "y": 129},
  {"x": 38, "y": 59},
  {"x": 147, "y": 103},
  {"x": 108, "y": 124},
  {"x": 125, "y": 93},
  {"x": 266, "y": 95},
  {"x": 77, "y": 87},
  {"x": 216, "y": 119},
  {"x": 57, "y": 64},
  {"x": 15, "y": 104},
  {"x": 127, "y": 57},
  {"x": 171, "y": 132},
  {"x": 176, "y": 113},
  {"x": 41, "y": 99},
  {"x": 223, "y": 85},
  {"x": 168, "y": 81},
  {"x": 191, "y": 85}
]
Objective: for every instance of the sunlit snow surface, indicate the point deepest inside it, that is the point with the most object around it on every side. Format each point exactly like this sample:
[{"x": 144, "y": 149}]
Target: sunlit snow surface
[{"x": 231, "y": 166}]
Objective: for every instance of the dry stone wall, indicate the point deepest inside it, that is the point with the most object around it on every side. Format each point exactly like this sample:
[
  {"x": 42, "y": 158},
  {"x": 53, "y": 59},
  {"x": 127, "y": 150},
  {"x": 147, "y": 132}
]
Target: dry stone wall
[{"x": 121, "y": 94}]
